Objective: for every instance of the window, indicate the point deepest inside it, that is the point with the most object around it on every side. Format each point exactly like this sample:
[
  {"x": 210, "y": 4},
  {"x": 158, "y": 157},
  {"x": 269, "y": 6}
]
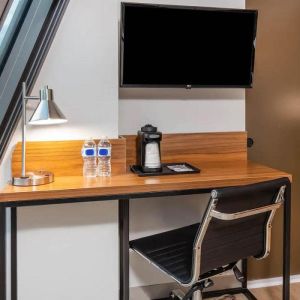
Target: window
[{"x": 10, "y": 27}]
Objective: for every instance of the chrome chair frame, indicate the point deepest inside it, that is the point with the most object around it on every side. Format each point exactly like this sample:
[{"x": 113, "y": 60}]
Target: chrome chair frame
[{"x": 211, "y": 213}]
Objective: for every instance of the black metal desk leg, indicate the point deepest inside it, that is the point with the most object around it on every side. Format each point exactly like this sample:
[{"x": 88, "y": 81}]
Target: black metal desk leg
[
  {"x": 2, "y": 253},
  {"x": 13, "y": 243},
  {"x": 245, "y": 273},
  {"x": 246, "y": 292},
  {"x": 124, "y": 248},
  {"x": 286, "y": 244}
]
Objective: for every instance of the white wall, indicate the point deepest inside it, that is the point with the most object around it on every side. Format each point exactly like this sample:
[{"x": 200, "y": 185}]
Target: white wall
[
  {"x": 180, "y": 110},
  {"x": 71, "y": 251},
  {"x": 175, "y": 110},
  {"x": 68, "y": 252}
]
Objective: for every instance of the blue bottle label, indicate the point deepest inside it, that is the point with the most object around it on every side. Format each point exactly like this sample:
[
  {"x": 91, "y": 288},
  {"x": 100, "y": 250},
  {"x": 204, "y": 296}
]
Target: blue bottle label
[
  {"x": 104, "y": 151},
  {"x": 88, "y": 152}
]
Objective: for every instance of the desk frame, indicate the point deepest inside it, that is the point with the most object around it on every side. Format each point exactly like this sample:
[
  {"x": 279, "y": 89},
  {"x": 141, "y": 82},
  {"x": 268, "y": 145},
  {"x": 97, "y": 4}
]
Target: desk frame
[{"x": 124, "y": 240}]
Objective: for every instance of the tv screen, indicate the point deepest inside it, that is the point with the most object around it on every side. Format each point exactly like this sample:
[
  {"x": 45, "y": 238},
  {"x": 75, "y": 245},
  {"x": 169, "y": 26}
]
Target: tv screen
[{"x": 164, "y": 46}]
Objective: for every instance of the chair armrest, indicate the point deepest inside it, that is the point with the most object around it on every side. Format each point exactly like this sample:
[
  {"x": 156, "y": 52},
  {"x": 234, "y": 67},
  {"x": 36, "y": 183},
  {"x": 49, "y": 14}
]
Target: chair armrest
[{"x": 243, "y": 214}]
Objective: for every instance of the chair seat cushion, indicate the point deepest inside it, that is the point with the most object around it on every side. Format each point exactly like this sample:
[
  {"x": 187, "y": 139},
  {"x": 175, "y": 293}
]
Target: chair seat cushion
[{"x": 171, "y": 251}]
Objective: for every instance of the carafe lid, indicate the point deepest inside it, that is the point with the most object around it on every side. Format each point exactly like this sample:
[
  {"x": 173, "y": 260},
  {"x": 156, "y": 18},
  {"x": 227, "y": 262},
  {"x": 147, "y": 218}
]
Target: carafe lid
[{"x": 149, "y": 128}]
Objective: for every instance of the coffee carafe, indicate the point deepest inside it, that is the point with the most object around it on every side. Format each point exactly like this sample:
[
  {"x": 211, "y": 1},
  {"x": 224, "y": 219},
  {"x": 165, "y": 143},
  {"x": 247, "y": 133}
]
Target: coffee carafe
[{"x": 148, "y": 149}]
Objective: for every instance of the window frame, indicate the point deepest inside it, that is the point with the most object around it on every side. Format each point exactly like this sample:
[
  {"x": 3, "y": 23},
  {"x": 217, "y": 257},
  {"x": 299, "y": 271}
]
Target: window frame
[{"x": 4, "y": 11}]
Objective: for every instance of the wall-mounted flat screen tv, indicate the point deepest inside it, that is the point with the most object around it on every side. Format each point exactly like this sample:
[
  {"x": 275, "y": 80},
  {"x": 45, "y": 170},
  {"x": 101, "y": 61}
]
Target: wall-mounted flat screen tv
[{"x": 176, "y": 46}]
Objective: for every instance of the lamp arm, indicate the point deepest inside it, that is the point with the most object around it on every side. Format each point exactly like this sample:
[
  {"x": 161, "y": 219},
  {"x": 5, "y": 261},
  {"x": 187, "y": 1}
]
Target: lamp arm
[{"x": 32, "y": 98}]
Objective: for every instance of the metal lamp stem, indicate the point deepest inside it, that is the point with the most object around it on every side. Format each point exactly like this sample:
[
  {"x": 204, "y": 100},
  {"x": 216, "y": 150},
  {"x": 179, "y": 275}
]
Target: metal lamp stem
[
  {"x": 24, "y": 129},
  {"x": 24, "y": 122}
]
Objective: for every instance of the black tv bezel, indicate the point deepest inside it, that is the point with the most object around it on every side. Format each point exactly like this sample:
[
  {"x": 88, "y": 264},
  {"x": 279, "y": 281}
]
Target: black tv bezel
[{"x": 167, "y": 6}]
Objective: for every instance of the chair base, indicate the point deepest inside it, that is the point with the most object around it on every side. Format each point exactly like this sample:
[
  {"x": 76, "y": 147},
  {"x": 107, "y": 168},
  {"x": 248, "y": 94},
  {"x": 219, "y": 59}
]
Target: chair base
[{"x": 220, "y": 293}]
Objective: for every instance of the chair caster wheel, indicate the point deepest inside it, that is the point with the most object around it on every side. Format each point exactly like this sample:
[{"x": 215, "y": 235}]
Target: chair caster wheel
[{"x": 176, "y": 295}]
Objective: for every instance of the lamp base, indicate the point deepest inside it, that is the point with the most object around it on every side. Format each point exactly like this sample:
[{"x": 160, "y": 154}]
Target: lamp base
[{"x": 33, "y": 179}]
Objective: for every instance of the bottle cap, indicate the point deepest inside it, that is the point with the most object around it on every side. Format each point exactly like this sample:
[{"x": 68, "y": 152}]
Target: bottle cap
[{"x": 103, "y": 137}]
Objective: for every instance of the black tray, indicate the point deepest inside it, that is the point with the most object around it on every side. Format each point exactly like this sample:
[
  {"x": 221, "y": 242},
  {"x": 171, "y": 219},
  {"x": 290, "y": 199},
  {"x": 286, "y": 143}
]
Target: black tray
[{"x": 165, "y": 170}]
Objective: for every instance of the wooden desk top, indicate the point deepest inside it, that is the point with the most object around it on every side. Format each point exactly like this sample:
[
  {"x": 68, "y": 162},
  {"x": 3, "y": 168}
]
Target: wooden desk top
[
  {"x": 222, "y": 158},
  {"x": 213, "y": 174}
]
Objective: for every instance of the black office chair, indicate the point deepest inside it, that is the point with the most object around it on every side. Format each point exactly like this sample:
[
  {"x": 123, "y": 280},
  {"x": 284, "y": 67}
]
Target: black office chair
[{"x": 235, "y": 226}]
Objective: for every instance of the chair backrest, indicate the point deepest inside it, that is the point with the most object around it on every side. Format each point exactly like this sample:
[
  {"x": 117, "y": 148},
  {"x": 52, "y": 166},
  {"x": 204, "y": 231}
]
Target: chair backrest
[{"x": 237, "y": 225}]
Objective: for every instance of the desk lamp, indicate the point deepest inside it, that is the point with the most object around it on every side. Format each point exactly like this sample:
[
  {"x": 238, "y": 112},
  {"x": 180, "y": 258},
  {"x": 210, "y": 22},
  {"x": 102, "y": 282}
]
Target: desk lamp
[{"x": 46, "y": 113}]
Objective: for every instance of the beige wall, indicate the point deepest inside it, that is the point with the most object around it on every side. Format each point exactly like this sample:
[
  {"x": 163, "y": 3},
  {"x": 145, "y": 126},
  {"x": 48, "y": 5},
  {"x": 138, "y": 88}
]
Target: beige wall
[{"x": 273, "y": 112}]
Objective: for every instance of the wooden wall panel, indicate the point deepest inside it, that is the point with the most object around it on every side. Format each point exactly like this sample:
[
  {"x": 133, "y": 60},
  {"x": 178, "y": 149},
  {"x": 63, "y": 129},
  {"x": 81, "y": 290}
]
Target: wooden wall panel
[
  {"x": 196, "y": 146},
  {"x": 273, "y": 119},
  {"x": 63, "y": 158}
]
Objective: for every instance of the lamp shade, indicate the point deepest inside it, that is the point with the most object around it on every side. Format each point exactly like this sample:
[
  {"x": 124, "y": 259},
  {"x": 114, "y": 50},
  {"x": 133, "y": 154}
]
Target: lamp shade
[{"x": 47, "y": 112}]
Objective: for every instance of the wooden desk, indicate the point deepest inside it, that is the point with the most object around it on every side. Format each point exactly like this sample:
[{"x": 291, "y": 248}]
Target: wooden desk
[
  {"x": 214, "y": 174},
  {"x": 219, "y": 168}
]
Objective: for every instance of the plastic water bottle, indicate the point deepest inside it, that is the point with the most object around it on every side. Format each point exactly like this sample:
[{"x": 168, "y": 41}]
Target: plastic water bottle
[
  {"x": 89, "y": 155},
  {"x": 104, "y": 157}
]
